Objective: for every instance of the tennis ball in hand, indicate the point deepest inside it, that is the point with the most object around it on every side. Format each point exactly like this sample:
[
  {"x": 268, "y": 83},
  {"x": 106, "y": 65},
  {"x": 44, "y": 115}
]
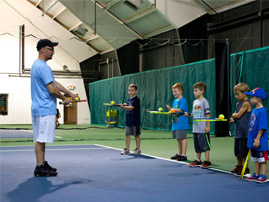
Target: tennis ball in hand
[
  {"x": 221, "y": 116},
  {"x": 112, "y": 102},
  {"x": 160, "y": 109},
  {"x": 172, "y": 111}
]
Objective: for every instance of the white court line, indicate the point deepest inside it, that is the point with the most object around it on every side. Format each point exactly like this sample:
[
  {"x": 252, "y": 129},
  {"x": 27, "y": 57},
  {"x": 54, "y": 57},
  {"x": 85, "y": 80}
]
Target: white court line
[
  {"x": 58, "y": 137},
  {"x": 48, "y": 149},
  {"x": 179, "y": 162}
]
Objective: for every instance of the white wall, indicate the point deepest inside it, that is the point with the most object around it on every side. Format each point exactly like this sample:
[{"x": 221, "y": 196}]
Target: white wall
[
  {"x": 19, "y": 99},
  {"x": 18, "y": 88}
]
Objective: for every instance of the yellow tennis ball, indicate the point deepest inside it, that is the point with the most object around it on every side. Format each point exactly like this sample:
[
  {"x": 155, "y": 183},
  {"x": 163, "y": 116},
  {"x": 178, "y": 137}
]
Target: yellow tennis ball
[
  {"x": 160, "y": 109},
  {"x": 221, "y": 116},
  {"x": 172, "y": 111},
  {"x": 112, "y": 102},
  {"x": 77, "y": 99}
]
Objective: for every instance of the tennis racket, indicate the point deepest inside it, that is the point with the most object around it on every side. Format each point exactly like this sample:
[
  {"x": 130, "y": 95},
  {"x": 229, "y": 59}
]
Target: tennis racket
[
  {"x": 208, "y": 119},
  {"x": 245, "y": 164},
  {"x": 110, "y": 105},
  {"x": 73, "y": 101},
  {"x": 166, "y": 113}
]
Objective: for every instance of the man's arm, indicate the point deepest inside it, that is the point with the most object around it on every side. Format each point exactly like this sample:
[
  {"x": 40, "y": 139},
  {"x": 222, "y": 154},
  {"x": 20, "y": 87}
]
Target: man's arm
[
  {"x": 55, "y": 92},
  {"x": 64, "y": 90}
]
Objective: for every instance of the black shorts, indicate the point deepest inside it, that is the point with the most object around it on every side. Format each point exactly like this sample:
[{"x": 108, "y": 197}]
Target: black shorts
[
  {"x": 240, "y": 147},
  {"x": 201, "y": 142}
]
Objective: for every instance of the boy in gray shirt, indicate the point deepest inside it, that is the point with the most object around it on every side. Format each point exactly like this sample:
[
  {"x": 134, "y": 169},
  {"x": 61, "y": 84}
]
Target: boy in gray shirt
[{"x": 201, "y": 129}]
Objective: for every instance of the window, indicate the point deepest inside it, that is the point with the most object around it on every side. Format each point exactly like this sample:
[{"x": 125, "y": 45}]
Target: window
[{"x": 3, "y": 104}]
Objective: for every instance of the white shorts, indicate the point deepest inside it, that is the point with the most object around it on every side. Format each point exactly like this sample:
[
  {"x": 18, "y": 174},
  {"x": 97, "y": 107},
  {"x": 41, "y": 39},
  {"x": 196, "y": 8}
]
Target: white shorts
[{"x": 44, "y": 128}]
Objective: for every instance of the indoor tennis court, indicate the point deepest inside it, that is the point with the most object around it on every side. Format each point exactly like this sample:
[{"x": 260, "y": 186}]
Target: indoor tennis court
[{"x": 96, "y": 51}]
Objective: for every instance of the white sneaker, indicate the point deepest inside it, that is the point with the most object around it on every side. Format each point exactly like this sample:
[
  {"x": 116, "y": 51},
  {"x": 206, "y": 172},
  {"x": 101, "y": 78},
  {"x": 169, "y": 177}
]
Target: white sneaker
[
  {"x": 136, "y": 151},
  {"x": 125, "y": 151}
]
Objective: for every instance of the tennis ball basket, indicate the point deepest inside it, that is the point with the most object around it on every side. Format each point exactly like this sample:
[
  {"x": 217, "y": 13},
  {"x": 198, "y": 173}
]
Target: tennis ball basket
[{"x": 112, "y": 118}]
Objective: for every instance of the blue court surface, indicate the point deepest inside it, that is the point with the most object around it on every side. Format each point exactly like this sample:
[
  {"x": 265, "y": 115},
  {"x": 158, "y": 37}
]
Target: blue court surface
[{"x": 97, "y": 173}]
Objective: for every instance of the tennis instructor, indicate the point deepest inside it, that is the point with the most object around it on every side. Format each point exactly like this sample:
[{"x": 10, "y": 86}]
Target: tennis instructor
[{"x": 44, "y": 91}]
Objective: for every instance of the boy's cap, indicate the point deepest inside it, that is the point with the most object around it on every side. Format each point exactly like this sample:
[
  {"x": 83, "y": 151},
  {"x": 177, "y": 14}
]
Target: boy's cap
[
  {"x": 257, "y": 92},
  {"x": 45, "y": 42}
]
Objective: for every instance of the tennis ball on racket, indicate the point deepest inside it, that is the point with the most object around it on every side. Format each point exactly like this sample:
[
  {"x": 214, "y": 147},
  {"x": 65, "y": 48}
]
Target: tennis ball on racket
[
  {"x": 160, "y": 109},
  {"x": 172, "y": 111},
  {"x": 77, "y": 99},
  {"x": 221, "y": 116},
  {"x": 112, "y": 102}
]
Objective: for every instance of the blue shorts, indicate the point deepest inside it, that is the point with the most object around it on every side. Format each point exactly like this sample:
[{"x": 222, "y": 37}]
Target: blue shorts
[{"x": 259, "y": 156}]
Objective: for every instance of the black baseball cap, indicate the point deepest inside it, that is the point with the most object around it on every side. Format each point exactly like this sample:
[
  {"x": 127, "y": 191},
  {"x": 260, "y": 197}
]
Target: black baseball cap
[{"x": 45, "y": 42}]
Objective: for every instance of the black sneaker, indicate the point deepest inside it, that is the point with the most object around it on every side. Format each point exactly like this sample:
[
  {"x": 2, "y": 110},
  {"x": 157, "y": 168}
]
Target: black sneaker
[
  {"x": 236, "y": 169},
  {"x": 206, "y": 164},
  {"x": 176, "y": 157},
  {"x": 44, "y": 171},
  {"x": 45, "y": 163},
  {"x": 182, "y": 158},
  {"x": 247, "y": 172}
]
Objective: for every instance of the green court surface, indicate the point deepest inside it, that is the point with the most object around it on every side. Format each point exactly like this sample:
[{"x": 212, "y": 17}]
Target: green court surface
[{"x": 156, "y": 143}]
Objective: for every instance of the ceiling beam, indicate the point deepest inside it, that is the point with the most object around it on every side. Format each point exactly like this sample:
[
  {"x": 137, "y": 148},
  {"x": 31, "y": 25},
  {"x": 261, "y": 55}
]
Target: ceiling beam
[
  {"x": 118, "y": 20},
  {"x": 92, "y": 38},
  {"x": 59, "y": 12},
  {"x": 37, "y": 3},
  {"x": 45, "y": 11},
  {"x": 140, "y": 15},
  {"x": 75, "y": 26}
]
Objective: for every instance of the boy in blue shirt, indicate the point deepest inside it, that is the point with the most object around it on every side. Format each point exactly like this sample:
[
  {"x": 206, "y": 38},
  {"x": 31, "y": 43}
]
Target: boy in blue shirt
[
  {"x": 180, "y": 125},
  {"x": 257, "y": 135},
  {"x": 132, "y": 120}
]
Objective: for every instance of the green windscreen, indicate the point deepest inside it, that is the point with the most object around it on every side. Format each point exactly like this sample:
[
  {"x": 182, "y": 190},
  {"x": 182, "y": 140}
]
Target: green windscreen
[
  {"x": 154, "y": 91},
  {"x": 154, "y": 87}
]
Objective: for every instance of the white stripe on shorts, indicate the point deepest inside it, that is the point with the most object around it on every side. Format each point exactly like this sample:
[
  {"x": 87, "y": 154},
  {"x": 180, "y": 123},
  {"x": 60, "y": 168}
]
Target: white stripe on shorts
[{"x": 44, "y": 128}]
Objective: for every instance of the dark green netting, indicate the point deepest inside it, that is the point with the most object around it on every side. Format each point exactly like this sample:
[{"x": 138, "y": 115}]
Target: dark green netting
[
  {"x": 251, "y": 67},
  {"x": 154, "y": 91}
]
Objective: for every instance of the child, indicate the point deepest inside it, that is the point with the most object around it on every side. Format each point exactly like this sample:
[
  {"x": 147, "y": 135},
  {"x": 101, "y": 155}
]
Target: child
[
  {"x": 132, "y": 120},
  {"x": 201, "y": 129},
  {"x": 180, "y": 125},
  {"x": 58, "y": 115},
  {"x": 257, "y": 135},
  {"x": 241, "y": 119}
]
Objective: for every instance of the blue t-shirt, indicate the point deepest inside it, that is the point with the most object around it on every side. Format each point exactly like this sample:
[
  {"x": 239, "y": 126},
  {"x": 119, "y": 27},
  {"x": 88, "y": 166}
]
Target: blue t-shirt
[
  {"x": 43, "y": 103},
  {"x": 181, "y": 122},
  {"x": 133, "y": 116},
  {"x": 258, "y": 121}
]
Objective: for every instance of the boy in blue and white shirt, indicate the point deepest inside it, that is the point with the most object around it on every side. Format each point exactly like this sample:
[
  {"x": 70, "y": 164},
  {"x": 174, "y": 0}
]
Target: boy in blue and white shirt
[{"x": 258, "y": 135}]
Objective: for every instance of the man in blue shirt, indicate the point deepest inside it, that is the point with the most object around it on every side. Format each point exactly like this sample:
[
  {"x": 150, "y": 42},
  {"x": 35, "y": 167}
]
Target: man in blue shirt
[{"x": 44, "y": 91}]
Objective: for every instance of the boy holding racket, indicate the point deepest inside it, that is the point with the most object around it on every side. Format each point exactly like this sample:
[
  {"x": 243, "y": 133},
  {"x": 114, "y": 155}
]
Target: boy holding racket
[
  {"x": 201, "y": 129},
  {"x": 258, "y": 135},
  {"x": 180, "y": 125},
  {"x": 241, "y": 118},
  {"x": 132, "y": 120}
]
